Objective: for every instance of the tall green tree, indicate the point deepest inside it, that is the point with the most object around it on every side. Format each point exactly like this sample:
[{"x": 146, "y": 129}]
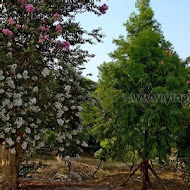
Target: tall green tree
[{"x": 142, "y": 90}]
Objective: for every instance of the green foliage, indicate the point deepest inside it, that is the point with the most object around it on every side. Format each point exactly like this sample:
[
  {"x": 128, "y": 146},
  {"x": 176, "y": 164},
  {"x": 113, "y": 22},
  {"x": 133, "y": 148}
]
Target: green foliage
[{"x": 50, "y": 138}]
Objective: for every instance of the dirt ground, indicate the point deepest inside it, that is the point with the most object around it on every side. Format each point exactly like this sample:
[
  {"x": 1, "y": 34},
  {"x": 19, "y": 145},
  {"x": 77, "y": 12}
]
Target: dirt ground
[{"x": 110, "y": 176}]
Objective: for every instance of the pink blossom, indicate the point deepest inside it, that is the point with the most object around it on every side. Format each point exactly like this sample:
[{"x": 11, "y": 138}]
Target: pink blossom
[
  {"x": 57, "y": 16},
  {"x": 11, "y": 21},
  {"x": 21, "y": 1},
  {"x": 7, "y": 32},
  {"x": 42, "y": 20},
  {"x": 47, "y": 29},
  {"x": 29, "y": 8},
  {"x": 66, "y": 45},
  {"x": 46, "y": 37},
  {"x": 59, "y": 29},
  {"x": 103, "y": 8},
  {"x": 18, "y": 26},
  {"x": 41, "y": 40},
  {"x": 43, "y": 28},
  {"x": 61, "y": 45}
]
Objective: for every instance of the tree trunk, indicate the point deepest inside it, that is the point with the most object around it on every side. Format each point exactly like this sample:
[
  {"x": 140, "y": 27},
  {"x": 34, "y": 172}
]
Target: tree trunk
[
  {"x": 8, "y": 170},
  {"x": 9, "y": 167},
  {"x": 146, "y": 179}
]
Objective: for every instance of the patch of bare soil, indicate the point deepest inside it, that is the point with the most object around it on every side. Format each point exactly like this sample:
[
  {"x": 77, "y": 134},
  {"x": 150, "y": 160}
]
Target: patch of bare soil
[{"x": 110, "y": 176}]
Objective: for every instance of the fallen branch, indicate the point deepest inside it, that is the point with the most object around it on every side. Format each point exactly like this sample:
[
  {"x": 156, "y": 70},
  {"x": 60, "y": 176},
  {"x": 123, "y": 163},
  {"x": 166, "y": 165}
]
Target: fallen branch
[
  {"x": 97, "y": 168},
  {"x": 157, "y": 177},
  {"x": 131, "y": 174}
]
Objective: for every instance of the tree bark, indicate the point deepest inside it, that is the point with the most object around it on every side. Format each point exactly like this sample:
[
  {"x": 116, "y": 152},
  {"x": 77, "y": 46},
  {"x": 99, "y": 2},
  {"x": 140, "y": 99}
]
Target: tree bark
[
  {"x": 146, "y": 179},
  {"x": 9, "y": 167},
  {"x": 8, "y": 170}
]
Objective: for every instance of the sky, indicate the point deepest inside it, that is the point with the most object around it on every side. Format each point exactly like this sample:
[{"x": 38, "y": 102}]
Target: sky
[{"x": 173, "y": 15}]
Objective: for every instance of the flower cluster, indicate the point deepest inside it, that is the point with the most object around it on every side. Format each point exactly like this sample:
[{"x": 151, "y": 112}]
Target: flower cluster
[
  {"x": 103, "y": 8},
  {"x": 7, "y": 32},
  {"x": 30, "y": 8},
  {"x": 18, "y": 101}
]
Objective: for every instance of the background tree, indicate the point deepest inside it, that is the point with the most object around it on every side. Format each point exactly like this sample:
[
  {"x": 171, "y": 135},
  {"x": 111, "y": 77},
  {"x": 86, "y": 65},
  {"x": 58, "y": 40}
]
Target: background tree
[
  {"x": 183, "y": 140},
  {"x": 40, "y": 79},
  {"x": 140, "y": 88}
]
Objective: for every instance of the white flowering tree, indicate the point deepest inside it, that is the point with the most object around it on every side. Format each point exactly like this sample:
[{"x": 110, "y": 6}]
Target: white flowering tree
[{"x": 41, "y": 88}]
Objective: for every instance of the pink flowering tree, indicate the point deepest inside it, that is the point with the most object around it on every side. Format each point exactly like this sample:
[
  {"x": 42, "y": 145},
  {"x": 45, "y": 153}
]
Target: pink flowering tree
[{"x": 41, "y": 87}]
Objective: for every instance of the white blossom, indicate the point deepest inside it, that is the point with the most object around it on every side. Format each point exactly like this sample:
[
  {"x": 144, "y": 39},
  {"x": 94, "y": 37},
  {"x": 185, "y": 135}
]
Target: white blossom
[
  {"x": 67, "y": 88},
  {"x": 2, "y": 77},
  {"x": 38, "y": 121},
  {"x": 69, "y": 136},
  {"x": 7, "y": 129},
  {"x": 13, "y": 68},
  {"x": 35, "y": 89},
  {"x": 60, "y": 113},
  {"x": 58, "y": 105},
  {"x": 13, "y": 131},
  {"x": 18, "y": 139},
  {"x": 45, "y": 72},
  {"x": 28, "y": 130},
  {"x": 61, "y": 149},
  {"x": 9, "y": 141},
  {"x": 19, "y": 122},
  {"x": 41, "y": 144},
  {"x": 36, "y": 137},
  {"x": 84, "y": 144},
  {"x": 17, "y": 96},
  {"x": 34, "y": 78},
  {"x": 1, "y": 72},
  {"x": 17, "y": 102},
  {"x": 67, "y": 144},
  {"x": 65, "y": 108},
  {"x": 12, "y": 150},
  {"x": 25, "y": 74},
  {"x": 19, "y": 76},
  {"x": 60, "y": 122},
  {"x": 5, "y": 102},
  {"x": 73, "y": 107},
  {"x": 24, "y": 145},
  {"x": 74, "y": 132},
  {"x": 10, "y": 82},
  {"x": 2, "y": 91},
  {"x": 79, "y": 108},
  {"x": 32, "y": 101}
]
